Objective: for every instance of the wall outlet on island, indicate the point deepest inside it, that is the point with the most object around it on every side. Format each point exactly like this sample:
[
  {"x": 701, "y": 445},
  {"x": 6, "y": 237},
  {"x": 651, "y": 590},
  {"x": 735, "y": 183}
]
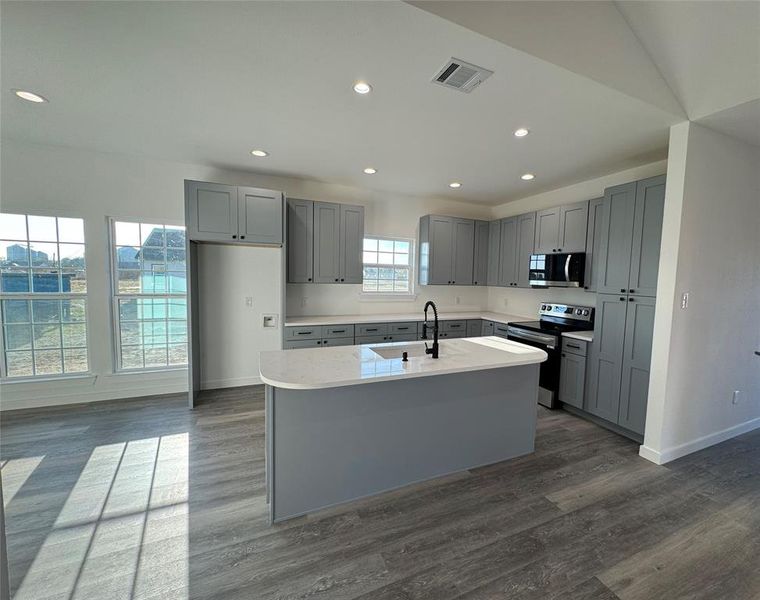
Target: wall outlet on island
[{"x": 249, "y": 301}]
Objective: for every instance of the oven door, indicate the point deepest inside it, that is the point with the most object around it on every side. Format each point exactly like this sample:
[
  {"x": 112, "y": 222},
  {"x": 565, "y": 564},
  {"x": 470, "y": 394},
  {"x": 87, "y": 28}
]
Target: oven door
[
  {"x": 557, "y": 270},
  {"x": 548, "y": 379}
]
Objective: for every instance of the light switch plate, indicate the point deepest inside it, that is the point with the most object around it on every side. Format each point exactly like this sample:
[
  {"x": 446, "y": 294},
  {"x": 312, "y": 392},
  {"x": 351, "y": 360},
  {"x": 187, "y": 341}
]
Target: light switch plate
[{"x": 269, "y": 320}]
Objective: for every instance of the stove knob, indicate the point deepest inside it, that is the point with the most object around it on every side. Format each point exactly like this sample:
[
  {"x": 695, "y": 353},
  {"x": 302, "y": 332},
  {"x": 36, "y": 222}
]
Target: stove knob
[
  {"x": 585, "y": 313},
  {"x": 578, "y": 311},
  {"x": 543, "y": 307}
]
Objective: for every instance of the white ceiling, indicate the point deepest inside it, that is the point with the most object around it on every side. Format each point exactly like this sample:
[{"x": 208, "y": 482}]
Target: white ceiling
[{"x": 207, "y": 82}]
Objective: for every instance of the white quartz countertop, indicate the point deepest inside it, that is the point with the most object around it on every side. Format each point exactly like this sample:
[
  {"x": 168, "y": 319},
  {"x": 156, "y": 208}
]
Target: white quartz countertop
[
  {"x": 316, "y": 368},
  {"x": 585, "y": 336},
  {"x": 397, "y": 317}
]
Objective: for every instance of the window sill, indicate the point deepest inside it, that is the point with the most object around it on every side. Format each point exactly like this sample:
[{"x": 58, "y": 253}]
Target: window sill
[
  {"x": 48, "y": 378},
  {"x": 380, "y": 297}
]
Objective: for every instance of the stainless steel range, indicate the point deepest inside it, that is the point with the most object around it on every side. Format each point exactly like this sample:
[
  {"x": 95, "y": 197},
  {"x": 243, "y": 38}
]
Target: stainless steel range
[{"x": 546, "y": 333}]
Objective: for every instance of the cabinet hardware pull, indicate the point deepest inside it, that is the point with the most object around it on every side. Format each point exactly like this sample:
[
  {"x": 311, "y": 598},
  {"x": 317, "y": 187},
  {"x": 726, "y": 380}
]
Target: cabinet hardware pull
[
  {"x": 336, "y": 279},
  {"x": 572, "y": 346},
  {"x": 622, "y": 299},
  {"x": 319, "y": 342},
  {"x": 630, "y": 299},
  {"x": 309, "y": 279},
  {"x": 631, "y": 291},
  {"x": 242, "y": 237},
  {"x": 342, "y": 279},
  {"x": 622, "y": 291},
  {"x": 234, "y": 237},
  {"x": 305, "y": 333},
  {"x": 563, "y": 355}
]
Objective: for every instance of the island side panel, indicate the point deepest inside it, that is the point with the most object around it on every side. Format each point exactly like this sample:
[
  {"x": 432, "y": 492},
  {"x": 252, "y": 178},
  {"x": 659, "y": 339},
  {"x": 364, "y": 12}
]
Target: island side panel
[{"x": 329, "y": 446}]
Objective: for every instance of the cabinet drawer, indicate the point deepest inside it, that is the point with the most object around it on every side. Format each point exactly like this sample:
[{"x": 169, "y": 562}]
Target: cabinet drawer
[
  {"x": 402, "y": 337},
  {"x": 293, "y": 344},
  {"x": 406, "y": 327},
  {"x": 337, "y": 331},
  {"x": 365, "y": 329},
  {"x": 361, "y": 340},
  {"x": 303, "y": 333},
  {"x": 453, "y": 326},
  {"x": 500, "y": 329},
  {"x": 327, "y": 342},
  {"x": 474, "y": 328},
  {"x": 574, "y": 346}
]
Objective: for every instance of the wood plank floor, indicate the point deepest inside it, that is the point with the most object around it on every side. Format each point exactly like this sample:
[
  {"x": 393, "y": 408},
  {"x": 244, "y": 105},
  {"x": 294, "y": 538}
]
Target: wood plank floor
[{"x": 145, "y": 499}]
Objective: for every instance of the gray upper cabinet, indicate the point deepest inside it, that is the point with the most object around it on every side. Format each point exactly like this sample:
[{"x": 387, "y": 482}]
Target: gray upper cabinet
[
  {"x": 617, "y": 236},
  {"x": 481, "y": 258},
  {"x": 351, "y": 242},
  {"x": 300, "y": 241},
  {"x": 211, "y": 211},
  {"x": 338, "y": 239},
  {"x": 494, "y": 252},
  {"x": 593, "y": 242},
  {"x": 259, "y": 216},
  {"x": 573, "y": 221},
  {"x": 446, "y": 250},
  {"x": 547, "y": 230},
  {"x": 605, "y": 360},
  {"x": 326, "y": 242},
  {"x": 526, "y": 231},
  {"x": 637, "y": 355},
  {"x": 647, "y": 234},
  {"x": 508, "y": 258}
]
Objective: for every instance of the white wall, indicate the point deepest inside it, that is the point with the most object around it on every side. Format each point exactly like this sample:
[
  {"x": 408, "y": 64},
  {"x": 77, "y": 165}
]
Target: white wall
[{"x": 711, "y": 249}]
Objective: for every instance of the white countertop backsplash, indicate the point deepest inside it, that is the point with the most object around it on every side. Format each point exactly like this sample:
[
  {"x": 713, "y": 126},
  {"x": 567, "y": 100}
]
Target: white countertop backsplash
[{"x": 313, "y": 321}]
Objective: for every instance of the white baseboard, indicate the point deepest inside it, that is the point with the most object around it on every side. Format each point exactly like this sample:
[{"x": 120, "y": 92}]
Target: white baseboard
[
  {"x": 231, "y": 382},
  {"x": 670, "y": 454}
]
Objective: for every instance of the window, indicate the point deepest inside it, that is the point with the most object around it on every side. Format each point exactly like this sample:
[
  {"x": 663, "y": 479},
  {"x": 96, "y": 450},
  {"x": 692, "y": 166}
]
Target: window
[
  {"x": 150, "y": 295},
  {"x": 387, "y": 266},
  {"x": 43, "y": 287}
]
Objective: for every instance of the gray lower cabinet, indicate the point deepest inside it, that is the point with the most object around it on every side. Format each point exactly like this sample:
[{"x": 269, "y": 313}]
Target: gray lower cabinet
[
  {"x": 300, "y": 246},
  {"x": 295, "y": 344},
  {"x": 593, "y": 242},
  {"x": 572, "y": 377},
  {"x": 494, "y": 252},
  {"x": 487, "y": 328},
  {"x": 500, "y": 329},
  {"x": 481, "y": 257},
  {"x": 337, "y": 331},
  {"x": 330, "y": 342},
  {"x": 225, "y": 213},
  {"x": 562, "y": 229},
  {"x": 338, "y": 238},
  {"x": 446, "y": 250},
  {"x": 474, "y": 328}
]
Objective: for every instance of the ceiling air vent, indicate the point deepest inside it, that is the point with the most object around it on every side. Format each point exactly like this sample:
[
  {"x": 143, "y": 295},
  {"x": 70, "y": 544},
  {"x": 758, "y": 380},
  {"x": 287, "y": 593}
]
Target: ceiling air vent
[{"x": 461, "y": 75}]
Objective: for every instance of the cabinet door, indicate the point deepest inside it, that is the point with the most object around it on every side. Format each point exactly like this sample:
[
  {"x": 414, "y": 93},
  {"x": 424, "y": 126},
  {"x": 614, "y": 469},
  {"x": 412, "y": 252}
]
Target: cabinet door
[
  {"x": 508, "y": 258},
  {"x": 480, "y": 261},
  {"x": 572, "y": 376},
  {"x": 441, "y": 250},
  {"x": 351, "y": 242},
  {"x": 547, "y": 231},
  {"x": 259, "y": 216},
  {"x": 494, "y": 252},
  {"x": 647, "y": 233},
  {"x": 211, "y": 211},
  {"x": 326, "y": 242},
  {"x": 573, "y": 223},
  {"x": 474, "y": 328},
  {"x": 593, "y": 241},
  {"x": 526, "y": 233},
  {"x": 464, "y": 245},
  {"x": 617, "y": 233},
  {"x": 300, "y": 246},
  {"x": 637, "y": 355},
  {"x": 487, "y": 328},
  {"x": 605, "y": 367}
]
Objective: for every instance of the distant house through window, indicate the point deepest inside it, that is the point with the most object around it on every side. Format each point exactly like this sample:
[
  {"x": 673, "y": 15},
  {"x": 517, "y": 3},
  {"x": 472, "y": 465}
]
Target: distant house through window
[
  {"x": 150, "y": 295},
  {"x": 388, "y": 266},
  {"x": 43, "y": 301}
]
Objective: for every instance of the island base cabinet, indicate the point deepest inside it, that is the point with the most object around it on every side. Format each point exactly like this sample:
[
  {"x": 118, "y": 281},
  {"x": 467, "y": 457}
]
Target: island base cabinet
[{"x": 399, "y": 432}]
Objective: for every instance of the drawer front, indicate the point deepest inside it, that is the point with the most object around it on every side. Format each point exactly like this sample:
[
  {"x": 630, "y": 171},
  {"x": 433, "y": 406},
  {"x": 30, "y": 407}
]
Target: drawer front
[
  {"x": 487, "y": 328},
  {"x": 327, "y": 342},
  {"x": 453, "y": 326},
  {"x": 293, "y": 344},
  {"x": 337, "y": 331},
  {"x": 574, "y": 346},
  {"x": 303, "y": 333},
  {"x": 372, "y": 329},
  {"x": 474, "y": 328},
  {"x": 402, "y": 337},
  {"x": 370, "y": 339},
  {"x": 500, "y": 329},
  {"x": 406, "y": 327}
]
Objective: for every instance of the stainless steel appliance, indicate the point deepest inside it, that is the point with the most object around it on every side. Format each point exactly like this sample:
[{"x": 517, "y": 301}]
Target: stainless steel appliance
[
  {"x": 557, "y": 270},
  {"x": 546, "y": 333}
]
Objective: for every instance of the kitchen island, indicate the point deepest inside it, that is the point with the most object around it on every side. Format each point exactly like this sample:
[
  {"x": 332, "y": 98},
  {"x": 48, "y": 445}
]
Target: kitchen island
[{"x": 347, "y": 422}]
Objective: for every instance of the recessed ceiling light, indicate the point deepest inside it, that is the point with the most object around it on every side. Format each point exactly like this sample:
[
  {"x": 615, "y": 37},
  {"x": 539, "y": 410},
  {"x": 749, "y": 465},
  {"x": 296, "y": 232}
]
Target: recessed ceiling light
[
  {"x": 30, "y": 96},
  {"x": 259, "y": 153},
  {"x": 522, "y": 132},
  {"x": 370, "y": 171},
  {"x": 362, "y": 87},
  {"x": 455, "y": 185},
  {"x": 527, "y": 176}
]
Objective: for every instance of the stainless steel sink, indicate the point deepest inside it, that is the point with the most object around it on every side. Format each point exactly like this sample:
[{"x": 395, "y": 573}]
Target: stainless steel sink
[{"x": 412, "y": 350}]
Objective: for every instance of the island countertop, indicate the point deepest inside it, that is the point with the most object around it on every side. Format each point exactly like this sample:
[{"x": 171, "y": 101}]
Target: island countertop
[{"x": 318, "y": 368}]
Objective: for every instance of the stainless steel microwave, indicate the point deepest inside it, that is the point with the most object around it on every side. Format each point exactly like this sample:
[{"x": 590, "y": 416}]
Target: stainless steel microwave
[{"x": 557, "y": 270}]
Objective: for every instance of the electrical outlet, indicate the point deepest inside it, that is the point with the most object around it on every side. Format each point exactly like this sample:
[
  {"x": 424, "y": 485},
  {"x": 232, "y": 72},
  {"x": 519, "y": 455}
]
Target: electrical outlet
[
  {"x": 269, "y": 320},
  {"x": 736, "y": 397},
  {"x": 249, "y": 301},
  {"x": 457, "y": 300},
  {"x": 506, "y": 302}
]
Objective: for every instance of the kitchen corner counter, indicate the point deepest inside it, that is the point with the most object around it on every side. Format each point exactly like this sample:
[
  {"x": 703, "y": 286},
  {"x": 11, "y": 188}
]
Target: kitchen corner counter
[
  {"x": 584, "y": 336},
  {"x": 313, "y": 321}
]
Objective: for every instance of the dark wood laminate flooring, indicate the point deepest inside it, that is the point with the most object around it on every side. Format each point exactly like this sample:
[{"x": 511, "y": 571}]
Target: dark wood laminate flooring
[{"x": 145, "y": 499}]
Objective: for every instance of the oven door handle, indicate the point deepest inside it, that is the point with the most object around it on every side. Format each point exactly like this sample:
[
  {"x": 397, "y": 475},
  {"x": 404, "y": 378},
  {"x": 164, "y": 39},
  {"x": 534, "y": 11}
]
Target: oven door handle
[{"x": 547, "y": 340}]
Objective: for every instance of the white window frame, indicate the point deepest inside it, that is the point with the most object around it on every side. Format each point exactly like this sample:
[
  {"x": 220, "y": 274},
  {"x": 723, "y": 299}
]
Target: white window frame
[
  {"x": 32, "y": 296},
  {"x": 390, "y": 296},
  {"x": 116, "y": 296}
]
